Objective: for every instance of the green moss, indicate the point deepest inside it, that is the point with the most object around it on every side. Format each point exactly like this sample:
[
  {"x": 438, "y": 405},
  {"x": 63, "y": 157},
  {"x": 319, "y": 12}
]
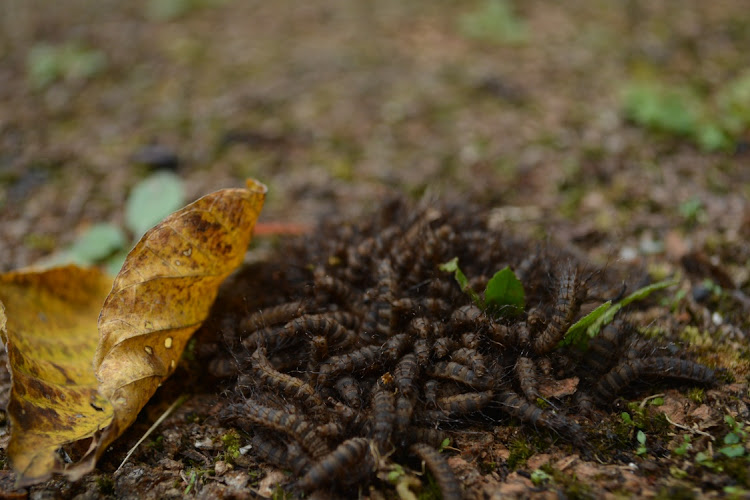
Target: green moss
[
  {"x": 232, "y": 442},
  {"x": 280, "y": 493},
  {"x": 157, "y": 444},
  {"x": 570, "y": 485},
  {"x": 520, "y": 452},
  {"x": 487, "y": 467},
  {"x": 105, "y": 484},
  {"x": 430, "y": 488},
  {"x": 697, "y": 394},
  {"x": 675, "y": 492}
]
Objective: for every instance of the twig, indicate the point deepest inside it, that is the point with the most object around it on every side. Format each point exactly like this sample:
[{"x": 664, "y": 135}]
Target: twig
[
  {"x": 646, "y": 400},
  {"x": 156, "y": 424},
  {"x": 689, "y": 429}
]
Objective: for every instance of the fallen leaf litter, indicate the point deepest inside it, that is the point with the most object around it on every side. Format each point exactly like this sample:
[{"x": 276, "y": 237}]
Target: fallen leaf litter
[{"x": 367, "y": 356}]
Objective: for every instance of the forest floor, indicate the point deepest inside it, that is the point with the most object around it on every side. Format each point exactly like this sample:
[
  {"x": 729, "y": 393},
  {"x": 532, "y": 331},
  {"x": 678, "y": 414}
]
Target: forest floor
[{"x": 600, "y": 127}]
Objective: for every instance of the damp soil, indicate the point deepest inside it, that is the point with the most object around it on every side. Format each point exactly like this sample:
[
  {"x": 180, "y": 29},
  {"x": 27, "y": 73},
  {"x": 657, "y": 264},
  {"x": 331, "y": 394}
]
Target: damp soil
[{"x": 338, "y": 106}]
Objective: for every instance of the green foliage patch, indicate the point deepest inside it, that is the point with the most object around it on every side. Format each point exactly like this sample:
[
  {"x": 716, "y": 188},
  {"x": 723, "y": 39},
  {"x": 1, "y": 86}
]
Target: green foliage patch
[
  {"x": 494, "y": 21},
  {"x": 71, "y": 61},
  {"x": 713, "y": 122}
]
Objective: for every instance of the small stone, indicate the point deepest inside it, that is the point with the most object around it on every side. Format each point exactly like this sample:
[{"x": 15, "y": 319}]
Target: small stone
[
  {"x": 221, "y": 467},
  {"x": 156, "y": 156}
]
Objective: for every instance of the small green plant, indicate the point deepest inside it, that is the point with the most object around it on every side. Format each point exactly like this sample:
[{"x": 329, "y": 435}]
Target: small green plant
[
  {"x": 192, "y": 478},
  {"x": 445, "y": 444},
  {"x": 403, "y": 482},
  {"x": 735, "y": 439},
  {"x": 732, "y": 458},
  {"x": 494, "y": 21},
  {"x": 684, "y": 447},
  {"x": 641, "y": 437},
  {"x": 540, "y": 478},
  {"x": 640, "y": 421},
  {"x": 503, "y": 296},
  {"x": 692, "y": 211},
  {"x": 396, "y": 473}
]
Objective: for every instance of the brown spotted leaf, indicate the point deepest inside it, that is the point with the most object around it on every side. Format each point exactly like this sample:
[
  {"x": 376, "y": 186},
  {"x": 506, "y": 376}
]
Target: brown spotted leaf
[
  {"x": 49, "y": 330},
  {"x": 164, "y": 292}
]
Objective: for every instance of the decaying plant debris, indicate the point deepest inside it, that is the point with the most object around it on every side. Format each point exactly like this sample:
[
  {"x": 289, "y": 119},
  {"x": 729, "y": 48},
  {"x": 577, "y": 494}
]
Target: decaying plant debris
[{"x": 366, "y": 357}]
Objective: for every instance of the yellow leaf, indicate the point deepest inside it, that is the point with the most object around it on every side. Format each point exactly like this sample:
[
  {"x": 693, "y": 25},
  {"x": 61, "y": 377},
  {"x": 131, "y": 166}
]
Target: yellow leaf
[
  {"x": 160, "y": 297},
  {"x": 50, "y": 335},
  {"x": 164, "y": 292}
]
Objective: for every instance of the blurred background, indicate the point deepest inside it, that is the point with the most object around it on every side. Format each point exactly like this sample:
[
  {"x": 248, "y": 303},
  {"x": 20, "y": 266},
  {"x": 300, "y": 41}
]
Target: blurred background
[{"x": 622, "y": 127}]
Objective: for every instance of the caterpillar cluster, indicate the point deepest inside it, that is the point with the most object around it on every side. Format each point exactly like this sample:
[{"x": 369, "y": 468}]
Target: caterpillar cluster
[{"x": 372, "y": 355}]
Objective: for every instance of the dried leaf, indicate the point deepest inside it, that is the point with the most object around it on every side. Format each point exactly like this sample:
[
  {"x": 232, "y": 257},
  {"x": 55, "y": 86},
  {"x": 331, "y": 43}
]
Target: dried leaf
[
  {"x": 160, "y": 297},
  {"x": 164, "y": 292},
  {"x": 50, "y": 335}
]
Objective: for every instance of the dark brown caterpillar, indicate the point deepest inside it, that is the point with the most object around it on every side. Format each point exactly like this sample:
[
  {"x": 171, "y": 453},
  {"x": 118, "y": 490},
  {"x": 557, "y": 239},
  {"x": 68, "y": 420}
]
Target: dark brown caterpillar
[
  {"x": 470, "y": 357},
  {"x": 272, "y": 316},
  {"x": 404, "y": 410},
  {"x": 430, "y": 435},
  {"x": 459, "y": 373},
  {"x": 662, "y": 367},
  {"x": 377, "y": 323},
  {"x": 395, "y": 346},
  {"x": 383, "y": 417},
  {"x": 349, "y": 391},
  {"x": 281, "y": 454},
  {"x": 421, "y": 327},
  {"x": 346, "y": 463},
  {"x": 296, "y": 330},
  {"x": 571, "y": 292},
  {"x": 430, "y": 393},
  {"x": 518, "y": 407},
  {"x": 441, "y": 471},
  {"x": 471, "y": 340},
  {"x": 405, "y": 372},
  {"x": 466, "y": 315},
  {"x": 296, "y": 427},
  {"x": 364, "y": 359},
  {"x": 443, "y": 346},
  {"x": 335, "y": 287},
  {"x": 422, "y": 352},
  {"x": 434, "y": 306},
  {"x": 288, "y": 385},
  {"x": 468, "y": 402},
  {"x": 526, "y": 375}
]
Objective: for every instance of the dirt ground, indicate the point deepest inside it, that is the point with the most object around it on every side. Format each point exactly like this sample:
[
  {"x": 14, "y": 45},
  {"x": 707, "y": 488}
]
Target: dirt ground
[{"x": 335, "y": 105}]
